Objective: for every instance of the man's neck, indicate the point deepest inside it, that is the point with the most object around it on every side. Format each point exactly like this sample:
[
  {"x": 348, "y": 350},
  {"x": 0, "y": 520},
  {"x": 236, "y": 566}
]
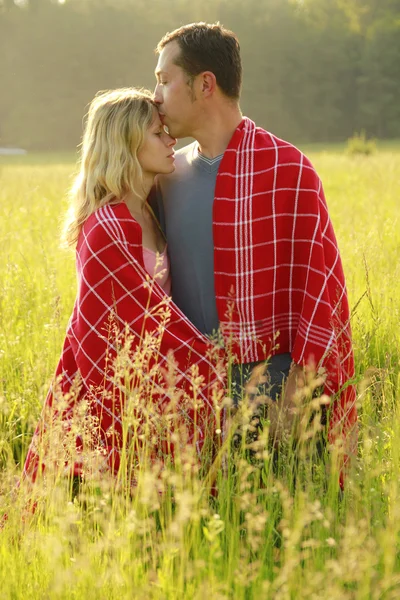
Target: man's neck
[{"x": 213, "y": 138}]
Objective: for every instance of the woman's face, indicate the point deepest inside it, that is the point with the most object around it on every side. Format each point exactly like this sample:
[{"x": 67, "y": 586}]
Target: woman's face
[{"x": 156, "y": 154}]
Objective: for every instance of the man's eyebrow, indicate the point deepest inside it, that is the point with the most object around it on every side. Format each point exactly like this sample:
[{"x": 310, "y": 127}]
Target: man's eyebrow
[{"x": 159, "y": 72}]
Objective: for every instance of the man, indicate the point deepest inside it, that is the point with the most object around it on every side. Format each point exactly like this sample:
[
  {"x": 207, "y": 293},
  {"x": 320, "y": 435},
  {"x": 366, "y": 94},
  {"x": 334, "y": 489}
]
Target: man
[{"x": 252, "y": 249}]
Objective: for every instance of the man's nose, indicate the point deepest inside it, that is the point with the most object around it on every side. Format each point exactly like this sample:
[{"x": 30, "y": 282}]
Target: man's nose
[{"x": 157, "y": 95}]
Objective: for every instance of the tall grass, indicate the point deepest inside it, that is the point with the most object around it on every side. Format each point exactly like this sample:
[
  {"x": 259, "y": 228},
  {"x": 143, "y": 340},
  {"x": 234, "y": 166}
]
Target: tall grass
[{"x": 278, "y": 526}]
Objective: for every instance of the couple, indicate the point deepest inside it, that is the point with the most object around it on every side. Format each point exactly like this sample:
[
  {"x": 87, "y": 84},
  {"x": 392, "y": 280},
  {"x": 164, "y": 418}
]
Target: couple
[{"x": 242, "y": 240}]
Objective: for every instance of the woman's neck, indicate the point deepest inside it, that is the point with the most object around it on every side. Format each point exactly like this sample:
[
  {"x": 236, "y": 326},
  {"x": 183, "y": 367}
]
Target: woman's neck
[{"x": 136, "y": 202}]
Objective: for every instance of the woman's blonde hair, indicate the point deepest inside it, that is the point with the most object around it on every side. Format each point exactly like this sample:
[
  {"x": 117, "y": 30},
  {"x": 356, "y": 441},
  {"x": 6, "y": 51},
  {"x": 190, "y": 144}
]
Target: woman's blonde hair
[{"x": 116, "y": 124}]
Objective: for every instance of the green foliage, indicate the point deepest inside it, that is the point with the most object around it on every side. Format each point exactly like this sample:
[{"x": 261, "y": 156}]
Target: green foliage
[
  {"x": 262, "y": 536},
  {"x": 313, "y": 70},
  {"x": 359, "y": 144}
]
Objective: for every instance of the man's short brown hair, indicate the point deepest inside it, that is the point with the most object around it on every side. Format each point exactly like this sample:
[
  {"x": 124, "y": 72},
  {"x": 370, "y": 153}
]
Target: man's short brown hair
[{"x": 205, "y": 47}]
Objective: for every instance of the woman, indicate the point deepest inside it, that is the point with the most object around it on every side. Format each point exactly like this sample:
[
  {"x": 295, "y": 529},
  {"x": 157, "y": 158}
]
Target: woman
[{"x": 117, "y": 385}]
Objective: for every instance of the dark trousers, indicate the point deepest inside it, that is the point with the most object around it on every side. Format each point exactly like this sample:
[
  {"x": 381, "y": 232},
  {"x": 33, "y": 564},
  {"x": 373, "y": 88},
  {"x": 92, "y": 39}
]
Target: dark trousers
[
  {"x": 275, "y": 374},
  {"x": 276, "y": 371}
]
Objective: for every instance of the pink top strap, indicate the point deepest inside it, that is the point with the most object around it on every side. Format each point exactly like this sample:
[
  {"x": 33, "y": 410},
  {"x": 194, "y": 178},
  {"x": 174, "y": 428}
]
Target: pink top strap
[{"x": 157, "y": 265}]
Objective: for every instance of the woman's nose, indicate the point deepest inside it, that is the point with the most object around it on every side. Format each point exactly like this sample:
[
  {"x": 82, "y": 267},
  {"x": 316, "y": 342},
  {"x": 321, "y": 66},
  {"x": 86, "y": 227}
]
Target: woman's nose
[{"x": 170, "y": 141}]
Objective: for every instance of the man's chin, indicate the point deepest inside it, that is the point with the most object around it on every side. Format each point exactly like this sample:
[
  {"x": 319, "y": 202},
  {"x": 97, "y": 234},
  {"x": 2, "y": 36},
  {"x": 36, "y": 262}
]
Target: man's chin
[
  {"x": 167, "y": 129},
  {"x": 172, "y": 131}
]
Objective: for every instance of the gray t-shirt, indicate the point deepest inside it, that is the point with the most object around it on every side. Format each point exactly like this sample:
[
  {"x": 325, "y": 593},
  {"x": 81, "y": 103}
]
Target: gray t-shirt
[{"x": 185, "y": 204}]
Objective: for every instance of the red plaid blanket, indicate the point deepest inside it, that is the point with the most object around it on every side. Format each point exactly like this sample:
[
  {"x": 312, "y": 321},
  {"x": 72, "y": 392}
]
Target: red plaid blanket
[
  {"x": 279, "y": 280},
  {"x": 117, "y": 301}
]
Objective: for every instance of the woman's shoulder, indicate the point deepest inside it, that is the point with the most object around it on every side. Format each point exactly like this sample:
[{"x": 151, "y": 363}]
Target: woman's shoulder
[
  {"x": 112, "y": 222},
  {"x": 115, "y": 218}
]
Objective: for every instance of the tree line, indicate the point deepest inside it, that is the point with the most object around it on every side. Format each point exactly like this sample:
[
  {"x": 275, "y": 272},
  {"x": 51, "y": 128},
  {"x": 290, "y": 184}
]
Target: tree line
[{"x": 314, "y": 70}]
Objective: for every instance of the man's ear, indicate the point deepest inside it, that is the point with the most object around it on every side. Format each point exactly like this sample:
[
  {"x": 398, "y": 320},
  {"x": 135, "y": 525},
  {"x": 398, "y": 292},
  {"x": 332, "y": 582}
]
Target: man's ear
[{"x": 208, "y": 84}]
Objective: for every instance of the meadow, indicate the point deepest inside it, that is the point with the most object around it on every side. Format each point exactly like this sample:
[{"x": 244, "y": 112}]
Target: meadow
[{"x": 261, "y": 536}]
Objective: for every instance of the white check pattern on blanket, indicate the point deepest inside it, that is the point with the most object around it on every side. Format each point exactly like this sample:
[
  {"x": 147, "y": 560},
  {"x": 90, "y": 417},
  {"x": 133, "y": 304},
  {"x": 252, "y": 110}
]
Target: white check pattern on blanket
[
  {"x": 279, "y": 280},
  {"x": 113, "y": 285}
]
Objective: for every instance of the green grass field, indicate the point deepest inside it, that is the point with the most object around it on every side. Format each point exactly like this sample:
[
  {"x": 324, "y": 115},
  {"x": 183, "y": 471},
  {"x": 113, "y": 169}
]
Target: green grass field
[{"x": 255, "y": 540}]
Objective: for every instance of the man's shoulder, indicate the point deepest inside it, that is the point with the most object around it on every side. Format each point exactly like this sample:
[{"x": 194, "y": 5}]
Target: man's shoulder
[
  {"x": 285, "y": 151},
  {"x": 273, "y": 152}
]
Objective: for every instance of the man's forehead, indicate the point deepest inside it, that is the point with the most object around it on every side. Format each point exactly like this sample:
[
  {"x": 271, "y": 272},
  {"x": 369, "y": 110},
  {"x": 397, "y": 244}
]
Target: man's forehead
[{"x": 166, "y": 59}]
